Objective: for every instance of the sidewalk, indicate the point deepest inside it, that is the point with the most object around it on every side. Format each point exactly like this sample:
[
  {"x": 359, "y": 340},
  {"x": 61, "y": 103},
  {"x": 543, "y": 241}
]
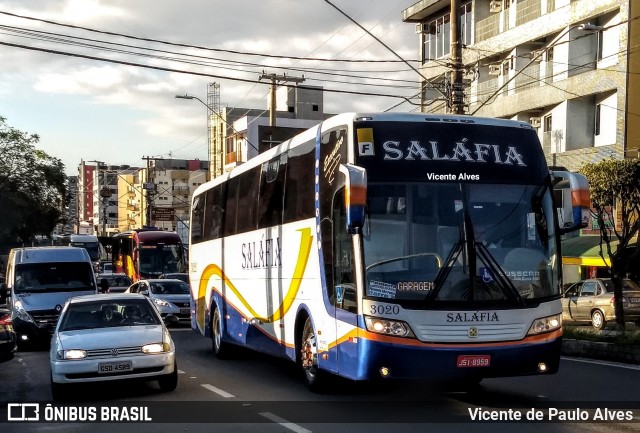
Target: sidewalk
[{"x": 600, "y": 349}]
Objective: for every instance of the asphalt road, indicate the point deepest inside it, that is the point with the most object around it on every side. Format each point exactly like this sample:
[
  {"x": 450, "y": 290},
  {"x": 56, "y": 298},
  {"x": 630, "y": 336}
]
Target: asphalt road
[{"x": 256, "y": 393}]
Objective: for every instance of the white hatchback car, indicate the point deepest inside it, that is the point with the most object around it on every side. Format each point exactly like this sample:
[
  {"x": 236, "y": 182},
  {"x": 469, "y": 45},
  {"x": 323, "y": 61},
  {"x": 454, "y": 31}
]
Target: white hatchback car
[{"x": 111, "y": 337}]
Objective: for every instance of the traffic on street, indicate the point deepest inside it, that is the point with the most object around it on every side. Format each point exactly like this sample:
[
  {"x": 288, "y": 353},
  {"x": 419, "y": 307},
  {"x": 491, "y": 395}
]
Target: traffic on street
[{"x": 259, "y": 393}]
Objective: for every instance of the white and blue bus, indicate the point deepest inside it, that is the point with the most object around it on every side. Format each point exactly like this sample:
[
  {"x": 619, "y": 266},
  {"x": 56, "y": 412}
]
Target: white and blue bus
[{"x": 397, "y": 246}]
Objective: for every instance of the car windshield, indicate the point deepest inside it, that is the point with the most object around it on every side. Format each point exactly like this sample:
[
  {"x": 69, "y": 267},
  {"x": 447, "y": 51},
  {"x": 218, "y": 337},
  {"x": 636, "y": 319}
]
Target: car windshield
[
  {"x": 460, "y": 243},
  {"x": 170, "y": 288},
  {"x": 54, "y": 277},
  {"x": 108, "y": 314}
]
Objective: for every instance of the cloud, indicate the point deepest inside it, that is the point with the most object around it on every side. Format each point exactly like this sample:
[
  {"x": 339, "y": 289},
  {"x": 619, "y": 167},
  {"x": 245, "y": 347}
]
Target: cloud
[{"x": 145, "y": 97}]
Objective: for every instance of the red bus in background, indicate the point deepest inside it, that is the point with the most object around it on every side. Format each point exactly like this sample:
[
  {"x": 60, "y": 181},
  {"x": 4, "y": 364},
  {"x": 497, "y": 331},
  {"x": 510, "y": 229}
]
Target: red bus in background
[{"x": 147, "y": 253}]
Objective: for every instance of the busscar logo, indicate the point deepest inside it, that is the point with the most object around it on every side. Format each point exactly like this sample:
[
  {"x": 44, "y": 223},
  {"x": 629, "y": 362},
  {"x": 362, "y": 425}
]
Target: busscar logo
[{"x": 23, "y": 412}]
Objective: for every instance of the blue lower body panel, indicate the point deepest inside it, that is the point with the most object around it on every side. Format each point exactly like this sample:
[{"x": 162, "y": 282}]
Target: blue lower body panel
[{"x": 435, "y": 363}]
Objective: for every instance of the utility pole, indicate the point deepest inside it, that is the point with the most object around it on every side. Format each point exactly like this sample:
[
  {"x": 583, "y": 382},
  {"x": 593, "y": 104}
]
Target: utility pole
[
  {"x": 455, "y": 96},
  {"x": 150, "y": 188},
  {"x": 277, "y": 79}
]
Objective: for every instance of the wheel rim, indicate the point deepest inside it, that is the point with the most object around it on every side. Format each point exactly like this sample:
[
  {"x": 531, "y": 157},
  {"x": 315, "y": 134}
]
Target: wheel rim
[
  {"x": 309, "y": 356},
  {"x": 597, "y": 320},
  {"x": 216, "y": 330}
]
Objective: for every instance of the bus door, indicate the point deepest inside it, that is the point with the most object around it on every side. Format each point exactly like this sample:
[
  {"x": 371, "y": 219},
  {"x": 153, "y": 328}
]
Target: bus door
[{"x": 345, "y": 300}]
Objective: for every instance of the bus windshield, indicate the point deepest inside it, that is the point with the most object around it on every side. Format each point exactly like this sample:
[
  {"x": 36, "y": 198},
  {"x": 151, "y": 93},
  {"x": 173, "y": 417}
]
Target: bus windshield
[
  {"x": 93, "y": 248},
  {"x": 165, "y": 259},
  {"x": 462, "y": 243}
]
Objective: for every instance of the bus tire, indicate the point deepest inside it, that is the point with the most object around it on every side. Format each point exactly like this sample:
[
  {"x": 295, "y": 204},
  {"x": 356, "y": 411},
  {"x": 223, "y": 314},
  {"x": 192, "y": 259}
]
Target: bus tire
[
  {"x": 219, "y": 347},
  {"x": 315, "y": 379}
]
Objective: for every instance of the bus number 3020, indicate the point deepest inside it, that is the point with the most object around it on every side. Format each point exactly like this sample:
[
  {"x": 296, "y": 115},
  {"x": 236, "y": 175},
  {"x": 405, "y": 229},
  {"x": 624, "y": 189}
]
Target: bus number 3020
[{"x": 385, "y": 309}]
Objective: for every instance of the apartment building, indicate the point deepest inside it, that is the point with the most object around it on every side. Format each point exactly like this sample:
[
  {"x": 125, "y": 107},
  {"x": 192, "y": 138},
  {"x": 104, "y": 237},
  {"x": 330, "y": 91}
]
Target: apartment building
[
  {"x": 238, "y": 134},
  {"x": 174, "y": 181},
  {"x": 568, "y": 67}
]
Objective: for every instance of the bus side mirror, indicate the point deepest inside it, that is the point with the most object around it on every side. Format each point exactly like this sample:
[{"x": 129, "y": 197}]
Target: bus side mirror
[
  {"x": 574, "y": 202},
  {"x": 355, "y": 195}
]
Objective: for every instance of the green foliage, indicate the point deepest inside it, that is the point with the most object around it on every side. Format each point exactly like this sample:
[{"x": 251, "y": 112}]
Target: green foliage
[
  {"x": 630, "y": 338},
  {"x": 614, "y": 186},
  {"x": 33, "y": 187},
  {"x": 616, "y": 182}
]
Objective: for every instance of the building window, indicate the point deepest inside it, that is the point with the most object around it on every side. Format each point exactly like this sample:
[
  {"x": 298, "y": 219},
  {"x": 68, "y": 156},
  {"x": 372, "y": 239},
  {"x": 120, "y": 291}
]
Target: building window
[
  {"x": 465, "y": 24},
  {"x": 437, "y": 39},
  {"x": 597, "y": 119},
  {"x": 547, "y": 123}
]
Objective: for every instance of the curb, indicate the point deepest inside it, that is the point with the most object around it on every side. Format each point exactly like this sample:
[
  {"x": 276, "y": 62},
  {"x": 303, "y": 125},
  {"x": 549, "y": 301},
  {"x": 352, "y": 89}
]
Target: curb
[{"x": 601, "y": 350}]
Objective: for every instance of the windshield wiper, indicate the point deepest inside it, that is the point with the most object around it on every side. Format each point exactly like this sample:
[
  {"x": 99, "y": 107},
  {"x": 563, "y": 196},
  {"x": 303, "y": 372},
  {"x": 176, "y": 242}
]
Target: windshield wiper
[
  {"x": 503, "y": 282},
  {"x": 448, "y": 264}
]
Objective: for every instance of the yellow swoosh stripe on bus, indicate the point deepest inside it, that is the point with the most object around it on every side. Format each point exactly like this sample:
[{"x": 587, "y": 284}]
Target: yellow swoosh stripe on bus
[{"x": 294, "y": 286}]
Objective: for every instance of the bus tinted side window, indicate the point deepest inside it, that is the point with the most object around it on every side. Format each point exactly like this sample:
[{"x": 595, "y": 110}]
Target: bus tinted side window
[
  {"x": 214, "y": 212},
  {"x": 271, "y": 192},
  {"x": 197, "y": 218},
  {"x": 248, "y": 200},
  {"x": 231, "y": 207},
  {"x": 300, "y": 186}
]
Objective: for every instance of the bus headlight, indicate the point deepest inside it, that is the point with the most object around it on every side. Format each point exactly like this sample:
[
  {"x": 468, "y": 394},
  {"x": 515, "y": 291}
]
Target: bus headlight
[
  {"x": 396, "y": 328},
  {"x": 545, "y": 324}
]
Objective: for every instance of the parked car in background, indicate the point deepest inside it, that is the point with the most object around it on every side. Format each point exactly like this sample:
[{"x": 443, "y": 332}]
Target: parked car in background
[
  {"x": 116, "y": 283},
  {"x": 105, "y": 338},
  {"x": 592, "y": 301},
  {"x": 170, "y": 296},
  {"x": 7, "y": 335},
  {"x": 106, "y": 268},
  {"x": 176, "y": 276}
]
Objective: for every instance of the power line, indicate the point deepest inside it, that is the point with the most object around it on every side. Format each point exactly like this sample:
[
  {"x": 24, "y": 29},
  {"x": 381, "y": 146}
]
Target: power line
[
  {"x": 382, "y": 43},
  {"x": 246, "y": 53},
  {"x": 201, "y": 74}
]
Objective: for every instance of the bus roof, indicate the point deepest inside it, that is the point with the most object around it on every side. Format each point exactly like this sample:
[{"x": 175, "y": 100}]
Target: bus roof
[{"x": 349, "y": 118}]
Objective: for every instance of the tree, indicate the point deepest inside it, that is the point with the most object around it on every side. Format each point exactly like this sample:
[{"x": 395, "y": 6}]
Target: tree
[
  {"x": 614, "y": 186},
  {"x": 33, "y": 187}
]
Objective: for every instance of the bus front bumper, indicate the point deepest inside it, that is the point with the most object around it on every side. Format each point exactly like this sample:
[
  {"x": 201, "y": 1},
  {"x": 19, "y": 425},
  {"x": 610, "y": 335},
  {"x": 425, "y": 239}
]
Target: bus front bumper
[{"x": 442, "y": 362}]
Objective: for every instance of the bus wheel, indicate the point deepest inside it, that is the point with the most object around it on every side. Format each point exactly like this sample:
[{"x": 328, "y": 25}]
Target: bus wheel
[
  {"x": 219, "y": 347},
  {"x": 313, "y": 376}
]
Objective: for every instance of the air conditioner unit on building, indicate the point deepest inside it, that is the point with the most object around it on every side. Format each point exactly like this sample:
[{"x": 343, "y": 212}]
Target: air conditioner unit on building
[
  {"x": 535, "y": 121},
  {"x": 495, "y": 6},
  {"x": 536, "y": 55},
  {"x": 495, "y": 69},
  {"x": 421, "y": 28}
]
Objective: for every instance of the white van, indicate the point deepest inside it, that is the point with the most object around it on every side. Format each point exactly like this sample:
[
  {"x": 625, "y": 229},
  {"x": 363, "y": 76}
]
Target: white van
[{"x": 38, "y": 283}]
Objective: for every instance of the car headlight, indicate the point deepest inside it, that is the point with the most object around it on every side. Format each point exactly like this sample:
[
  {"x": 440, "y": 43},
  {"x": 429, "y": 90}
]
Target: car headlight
[
  {"x": 72, "y": 354},
  {"x": 155, "y": 348},
  {"x": 21, "y": 313},
  {"x": 545, "y": 324},
  {"x": 161, "y": 302},
  {"x": 396, "y": 328}
]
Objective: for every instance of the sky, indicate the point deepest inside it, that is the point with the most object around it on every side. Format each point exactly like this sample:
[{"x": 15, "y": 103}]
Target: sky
[{"x": 55, "y": 80}]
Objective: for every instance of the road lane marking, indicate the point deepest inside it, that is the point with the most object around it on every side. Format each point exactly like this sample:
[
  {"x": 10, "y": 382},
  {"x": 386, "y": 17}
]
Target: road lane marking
[
  {"x": 218, "y": 391},
  {"x": 284, "y": 423},
  {"x": 610, "y": 364}
]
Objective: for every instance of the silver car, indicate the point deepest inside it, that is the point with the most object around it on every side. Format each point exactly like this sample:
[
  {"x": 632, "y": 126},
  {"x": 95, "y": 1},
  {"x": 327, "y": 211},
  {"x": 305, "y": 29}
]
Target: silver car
[
  {"x": 104, "y": 338},
  {"x": 170, "y": 296},
  {"x": 591, "y": 301}
]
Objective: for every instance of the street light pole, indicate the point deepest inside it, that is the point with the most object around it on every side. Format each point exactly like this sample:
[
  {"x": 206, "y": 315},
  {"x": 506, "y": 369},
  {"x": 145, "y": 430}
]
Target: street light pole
[{"x": 209, "y": 112}]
